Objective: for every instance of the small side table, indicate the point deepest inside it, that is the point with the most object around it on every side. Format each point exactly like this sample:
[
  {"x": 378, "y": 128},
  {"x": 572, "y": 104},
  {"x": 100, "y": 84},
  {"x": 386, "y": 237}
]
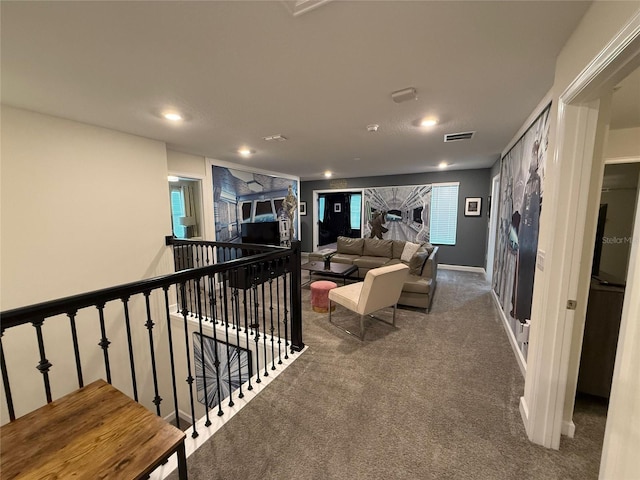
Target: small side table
[
  {"x": 94, "y": 432},
  {"x": 320, "y": 295}
]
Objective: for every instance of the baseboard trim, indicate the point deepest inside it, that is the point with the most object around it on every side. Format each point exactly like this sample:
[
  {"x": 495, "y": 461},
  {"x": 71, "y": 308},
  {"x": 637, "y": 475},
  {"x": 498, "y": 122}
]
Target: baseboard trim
[
  {"x": 524, "y": 414},
  {"x": 568, "y": 429},
  {"x": 522, "y": 363},
  {"x": 461, "y": 268}
]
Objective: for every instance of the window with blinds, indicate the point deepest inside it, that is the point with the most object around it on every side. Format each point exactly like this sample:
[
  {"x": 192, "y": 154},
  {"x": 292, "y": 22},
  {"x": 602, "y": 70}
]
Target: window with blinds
[{"x": 444, "y": 213}]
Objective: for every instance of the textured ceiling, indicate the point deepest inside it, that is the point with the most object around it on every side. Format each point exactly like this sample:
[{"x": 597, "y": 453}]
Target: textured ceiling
[{"x": 243, "y": 70}]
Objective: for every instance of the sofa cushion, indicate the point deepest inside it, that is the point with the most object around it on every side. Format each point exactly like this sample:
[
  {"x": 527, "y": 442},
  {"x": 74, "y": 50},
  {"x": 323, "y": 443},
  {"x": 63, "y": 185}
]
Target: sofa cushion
[
  {"x": 397, "y": 248},
  {"x": 350, "y": 246},
  {"x": 344, "y": 258},
  {"x": 416, "y": 264},
  {"x": 417, "y": 284},
  {"x": 370, "y": 262},
  {"x": 409, "y": 249},
  {"x": 377, "y": 248}
]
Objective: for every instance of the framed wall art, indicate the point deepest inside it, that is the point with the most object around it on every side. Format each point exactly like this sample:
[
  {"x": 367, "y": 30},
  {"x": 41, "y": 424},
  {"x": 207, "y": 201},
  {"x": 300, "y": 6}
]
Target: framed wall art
[
  {"x": 472, "y": 206},
  {"x": 233, "y": 368}
]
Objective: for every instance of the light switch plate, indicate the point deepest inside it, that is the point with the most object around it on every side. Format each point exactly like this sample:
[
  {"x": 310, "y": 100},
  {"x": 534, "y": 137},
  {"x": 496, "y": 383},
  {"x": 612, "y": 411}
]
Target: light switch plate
[{"x": 540, "y": 260}]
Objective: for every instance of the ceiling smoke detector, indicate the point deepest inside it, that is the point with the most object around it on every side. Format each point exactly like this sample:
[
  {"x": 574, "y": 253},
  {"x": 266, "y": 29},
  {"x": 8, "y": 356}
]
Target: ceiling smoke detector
[
  {"x": 404, "y": 95},
  {"x": 275, "y": 138},
  {"x": 373, "y": 127}
]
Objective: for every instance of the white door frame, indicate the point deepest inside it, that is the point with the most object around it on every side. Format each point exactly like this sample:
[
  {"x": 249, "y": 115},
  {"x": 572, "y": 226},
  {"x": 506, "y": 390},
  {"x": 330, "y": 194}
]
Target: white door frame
[
  {"x": 315, "y": 217},
  {"x": 493, "y": 226},
  {"x": 551, "y": 338}
]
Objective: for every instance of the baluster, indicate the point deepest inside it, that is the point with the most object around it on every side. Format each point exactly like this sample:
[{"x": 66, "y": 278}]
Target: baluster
[
  {"x": 204, "y": 368},
  {"x": 256, "y": 321},
  {"x": 104, "y": 341},
  {"x": 216, "y": 363},
  {"x": 279, "y": 302},
  {"x": 273, "y": 365},
  {"x": 246, "y": 307},
  {"x": 76, "y": 349},
  {"x": 44, "y": 365},
  {"x": 236, "y": 319},
  {"x": 286, "y": 313},
  {"x": 149, "y": 324},
  {"x": 226, "y": 332},
  {"x": 171, "y": 360},
  {"x": 189, "y": 380},
  {"x": 264, "y": 324},
  {"x": 5, "y": 381},
  {"x": 127, "y": 322}
]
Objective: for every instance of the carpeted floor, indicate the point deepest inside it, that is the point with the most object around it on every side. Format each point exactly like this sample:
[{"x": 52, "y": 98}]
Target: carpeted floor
[{"x": 434, "y": 398}]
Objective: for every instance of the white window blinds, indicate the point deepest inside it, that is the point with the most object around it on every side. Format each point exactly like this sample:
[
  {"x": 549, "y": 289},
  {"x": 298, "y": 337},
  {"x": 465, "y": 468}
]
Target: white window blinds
[{"x": 444, "y": 213}]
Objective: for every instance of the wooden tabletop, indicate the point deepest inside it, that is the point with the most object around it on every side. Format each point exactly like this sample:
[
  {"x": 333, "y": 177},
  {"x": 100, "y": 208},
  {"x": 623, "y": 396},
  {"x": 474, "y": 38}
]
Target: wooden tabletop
[{"x": 96, "y": 432}]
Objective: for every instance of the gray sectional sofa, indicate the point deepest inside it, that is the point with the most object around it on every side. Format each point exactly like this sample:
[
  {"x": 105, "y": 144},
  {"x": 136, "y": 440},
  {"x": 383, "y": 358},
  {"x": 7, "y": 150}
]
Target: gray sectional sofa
[{"x": 368, "y": 253}]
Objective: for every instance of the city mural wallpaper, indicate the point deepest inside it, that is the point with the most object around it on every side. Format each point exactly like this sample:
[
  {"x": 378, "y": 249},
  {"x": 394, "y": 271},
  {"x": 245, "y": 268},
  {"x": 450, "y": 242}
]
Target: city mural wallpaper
[{"x": 521, "y": 193}]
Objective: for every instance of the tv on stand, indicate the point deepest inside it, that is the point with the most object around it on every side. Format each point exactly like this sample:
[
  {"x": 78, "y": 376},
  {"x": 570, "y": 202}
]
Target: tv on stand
[{"x": 264, "y": 233}]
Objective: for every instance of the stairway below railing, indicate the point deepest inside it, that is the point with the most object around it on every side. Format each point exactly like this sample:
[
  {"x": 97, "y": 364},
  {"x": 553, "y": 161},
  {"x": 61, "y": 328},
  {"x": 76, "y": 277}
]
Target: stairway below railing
[{"x": 239, "y": 312}]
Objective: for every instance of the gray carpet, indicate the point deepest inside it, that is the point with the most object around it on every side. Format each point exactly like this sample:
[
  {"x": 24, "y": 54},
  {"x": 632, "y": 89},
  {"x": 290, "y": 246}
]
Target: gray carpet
[{"x": 434, "y": 398}]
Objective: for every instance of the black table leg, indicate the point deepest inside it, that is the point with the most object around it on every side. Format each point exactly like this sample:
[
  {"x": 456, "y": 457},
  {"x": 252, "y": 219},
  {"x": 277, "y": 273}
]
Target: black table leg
[{"x": 182, "y": 461}]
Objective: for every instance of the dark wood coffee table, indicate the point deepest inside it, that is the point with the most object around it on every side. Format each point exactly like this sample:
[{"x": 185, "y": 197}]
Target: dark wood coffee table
[{"x": 337, "y": 270}]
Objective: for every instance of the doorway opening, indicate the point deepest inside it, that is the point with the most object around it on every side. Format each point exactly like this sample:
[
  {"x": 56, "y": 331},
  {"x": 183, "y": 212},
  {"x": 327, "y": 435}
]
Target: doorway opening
[
  {"x": 186, "y": 207},
  {"x": 337, "y": 213},
  {"x": 614, "y": 233}
]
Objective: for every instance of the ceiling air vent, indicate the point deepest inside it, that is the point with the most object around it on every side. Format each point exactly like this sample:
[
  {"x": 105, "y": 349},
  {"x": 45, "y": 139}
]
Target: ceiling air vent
[
  {"x": 275, "y": 138},
  {"x": 454, "y": 137}
]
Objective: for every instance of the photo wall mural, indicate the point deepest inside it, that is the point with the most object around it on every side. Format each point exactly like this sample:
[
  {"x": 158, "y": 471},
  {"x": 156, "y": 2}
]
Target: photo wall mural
[
  {"x": 521, "y": 192},
  {"x": 261, "y": 208},
  {"x": 397, "y": 213}
]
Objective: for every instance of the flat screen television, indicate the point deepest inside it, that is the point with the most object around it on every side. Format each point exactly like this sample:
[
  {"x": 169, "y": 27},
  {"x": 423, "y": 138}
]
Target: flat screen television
[{"x": 265, "y": 233}]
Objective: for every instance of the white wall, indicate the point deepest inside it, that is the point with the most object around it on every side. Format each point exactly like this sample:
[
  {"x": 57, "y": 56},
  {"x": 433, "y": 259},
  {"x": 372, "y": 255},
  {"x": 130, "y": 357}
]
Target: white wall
[
  {"x": 623, "y": 143},
  {"x": 186, "y": 164},
  {"x": 83, "y": 208}
]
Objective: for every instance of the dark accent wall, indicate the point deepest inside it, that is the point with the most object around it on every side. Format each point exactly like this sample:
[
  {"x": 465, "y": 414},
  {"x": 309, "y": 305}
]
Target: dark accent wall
[{"x": 471, "y": 237}]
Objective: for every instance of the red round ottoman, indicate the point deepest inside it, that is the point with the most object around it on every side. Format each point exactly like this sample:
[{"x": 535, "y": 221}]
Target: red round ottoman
[{"x": 320, "y": 295}]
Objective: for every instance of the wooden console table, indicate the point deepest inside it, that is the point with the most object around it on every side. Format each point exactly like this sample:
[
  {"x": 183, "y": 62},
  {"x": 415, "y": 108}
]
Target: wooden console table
[{"x": 94, "y": 432}]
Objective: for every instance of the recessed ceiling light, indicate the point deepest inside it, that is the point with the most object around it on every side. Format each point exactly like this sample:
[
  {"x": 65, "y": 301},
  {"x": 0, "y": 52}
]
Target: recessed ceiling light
[
  {"x": 443, "y": 165},
  {"x": 327, "y": 174},
  {"x": 245, "y": 152},
  {"x": 428, "y": 122},
  {"x": 172, "y": 178},
  {"x": 172, "y": 116}
]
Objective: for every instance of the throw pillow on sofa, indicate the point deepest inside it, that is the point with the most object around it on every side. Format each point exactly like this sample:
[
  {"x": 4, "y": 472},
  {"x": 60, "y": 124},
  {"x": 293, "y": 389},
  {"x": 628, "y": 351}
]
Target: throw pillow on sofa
[
  {"x": 418, "y": 261},
  {"x": 409, "y": 250}
]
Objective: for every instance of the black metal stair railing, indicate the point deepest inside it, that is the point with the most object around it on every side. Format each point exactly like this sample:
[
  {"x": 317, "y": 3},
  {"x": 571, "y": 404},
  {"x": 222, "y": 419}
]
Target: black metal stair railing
[{"x": 241, "y": 294}]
